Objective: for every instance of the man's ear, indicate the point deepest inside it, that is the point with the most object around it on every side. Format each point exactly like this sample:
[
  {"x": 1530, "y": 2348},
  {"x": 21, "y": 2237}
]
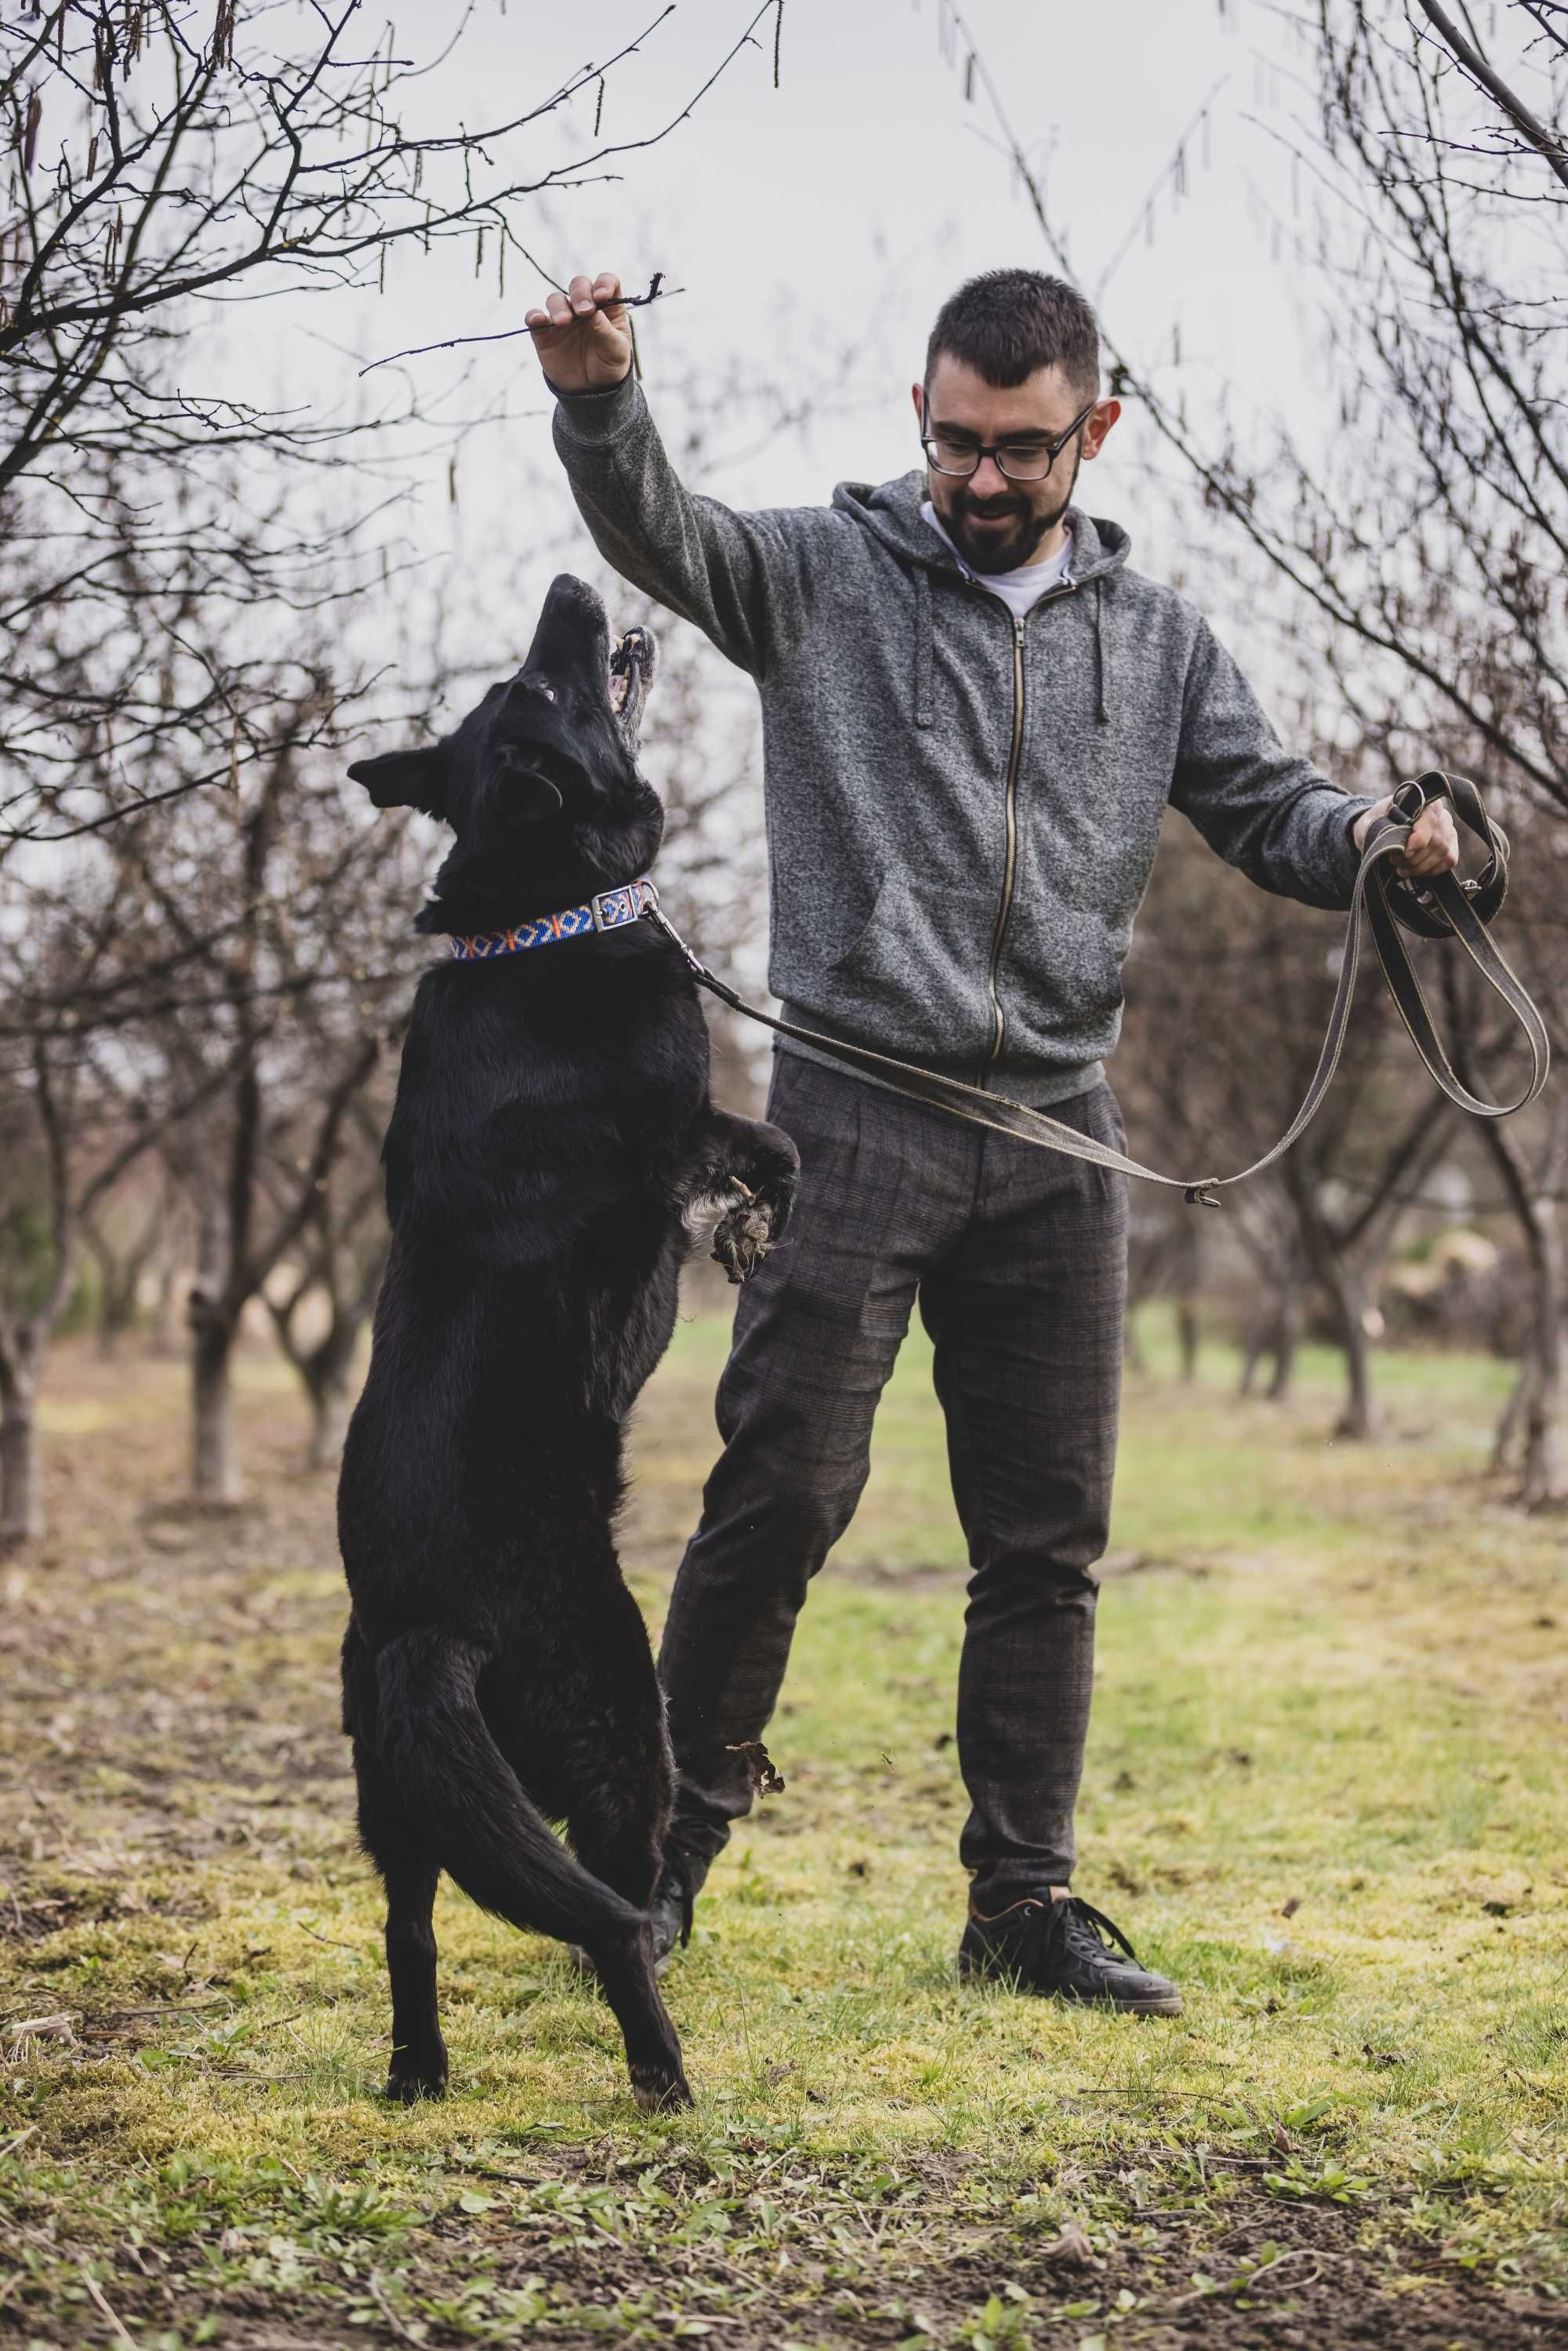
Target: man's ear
[{"x": 415, "y": 779}]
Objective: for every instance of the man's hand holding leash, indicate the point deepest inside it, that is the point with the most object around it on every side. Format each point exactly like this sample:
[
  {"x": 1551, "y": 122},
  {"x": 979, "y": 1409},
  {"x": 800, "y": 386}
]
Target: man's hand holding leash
[{"x": 1433, "y": 847}]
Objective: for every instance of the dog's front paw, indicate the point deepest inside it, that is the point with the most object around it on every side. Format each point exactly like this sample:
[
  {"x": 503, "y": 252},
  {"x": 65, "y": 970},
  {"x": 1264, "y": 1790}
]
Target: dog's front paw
[
  {"x": 407, "y": 2085},
  {"x": 743, "y": 1238},
  {"x": 661, "y": 2089}
]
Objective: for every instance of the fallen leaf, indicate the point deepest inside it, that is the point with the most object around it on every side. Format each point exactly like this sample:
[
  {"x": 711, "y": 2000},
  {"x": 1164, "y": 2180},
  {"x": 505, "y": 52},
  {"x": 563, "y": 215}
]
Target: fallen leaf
[
  {"x": 41, "y": 2028},
  {"x": 766, "y": 1779},
  {"x": 1072, "y": 2247}
]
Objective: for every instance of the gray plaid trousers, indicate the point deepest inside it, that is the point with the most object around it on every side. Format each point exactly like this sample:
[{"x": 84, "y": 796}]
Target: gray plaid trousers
[{"x": 1017, "y": 1258}]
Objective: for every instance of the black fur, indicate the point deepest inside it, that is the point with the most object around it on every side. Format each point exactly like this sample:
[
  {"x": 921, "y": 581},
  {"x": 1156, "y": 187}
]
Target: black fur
[{"x": 552, "y": 1136}]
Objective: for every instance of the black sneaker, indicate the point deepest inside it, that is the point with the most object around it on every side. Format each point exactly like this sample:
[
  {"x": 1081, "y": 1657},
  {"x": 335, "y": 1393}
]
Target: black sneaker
[
  {"x": 1056, "y": 1945},
  {"x": 680, "y": 1883}
]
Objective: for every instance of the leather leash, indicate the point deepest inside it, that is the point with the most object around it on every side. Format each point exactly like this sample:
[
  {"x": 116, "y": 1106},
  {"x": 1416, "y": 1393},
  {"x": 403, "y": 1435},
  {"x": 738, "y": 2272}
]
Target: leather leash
[{"x": 1445, "y": 908}]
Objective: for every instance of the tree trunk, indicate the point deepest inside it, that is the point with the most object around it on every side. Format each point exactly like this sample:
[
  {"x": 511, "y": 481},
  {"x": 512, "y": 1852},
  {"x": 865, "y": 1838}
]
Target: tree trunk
[
  {"x": 215, "y": 1465},
  {"x": 1510, "y": 1419},
  {"x": 1359, "y": 1417},
  {"x": 1541, "y": 1479},
  {"x": 328, "y": 1372},
  {"x": 1287, "y": 1335},
  {"x": 1274, "y": 1331},
  {"x": 116, "y": 1306},
  {"x": 330, "y": 1405},
  {"x": 166, "y": 1313},
  {"x": 21, "y": 1482},
  {"x": 1538, "y": 1399},
  {"x": 1259, "y": 1343},
  {"x": 1347, "y": 1296},
  {"x": 1188, "y": 1337}
]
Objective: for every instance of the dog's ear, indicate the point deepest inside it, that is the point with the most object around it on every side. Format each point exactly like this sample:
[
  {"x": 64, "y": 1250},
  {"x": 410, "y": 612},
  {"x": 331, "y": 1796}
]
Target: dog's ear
[{"x": 415, "y": 779}]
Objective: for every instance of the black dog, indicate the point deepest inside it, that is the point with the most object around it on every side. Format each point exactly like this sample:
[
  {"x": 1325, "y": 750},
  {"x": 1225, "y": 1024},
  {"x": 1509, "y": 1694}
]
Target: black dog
[{"x": 551, "y": 1137}]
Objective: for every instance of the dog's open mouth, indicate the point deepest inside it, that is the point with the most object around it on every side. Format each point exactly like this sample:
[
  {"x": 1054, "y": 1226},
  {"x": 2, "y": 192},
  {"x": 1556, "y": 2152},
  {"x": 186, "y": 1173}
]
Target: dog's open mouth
[{"x": 631, "y": 665}]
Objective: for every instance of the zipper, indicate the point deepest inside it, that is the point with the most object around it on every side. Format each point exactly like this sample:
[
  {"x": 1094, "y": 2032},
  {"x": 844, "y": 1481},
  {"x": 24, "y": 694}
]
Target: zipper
[
  {"x": 1009, "y": 871},
  {"x": 999, "y": 1023}
]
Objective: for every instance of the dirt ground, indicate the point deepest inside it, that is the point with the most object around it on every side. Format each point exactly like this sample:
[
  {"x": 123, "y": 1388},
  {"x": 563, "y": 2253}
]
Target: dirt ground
[{"x": 190, "y": 2150}]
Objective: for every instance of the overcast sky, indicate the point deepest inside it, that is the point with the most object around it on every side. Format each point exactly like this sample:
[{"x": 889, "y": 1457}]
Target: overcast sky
[{"x": 837, "y": 212}]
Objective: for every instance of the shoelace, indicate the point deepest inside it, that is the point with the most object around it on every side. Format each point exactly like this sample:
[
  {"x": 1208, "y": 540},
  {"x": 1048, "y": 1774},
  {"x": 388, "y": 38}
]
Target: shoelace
[{"x": 1075, "y": 1922}]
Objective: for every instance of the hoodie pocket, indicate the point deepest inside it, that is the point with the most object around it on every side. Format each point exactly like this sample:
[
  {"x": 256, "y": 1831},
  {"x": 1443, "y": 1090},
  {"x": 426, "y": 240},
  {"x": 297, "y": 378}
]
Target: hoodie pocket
[{"x": 915, "y": 975}]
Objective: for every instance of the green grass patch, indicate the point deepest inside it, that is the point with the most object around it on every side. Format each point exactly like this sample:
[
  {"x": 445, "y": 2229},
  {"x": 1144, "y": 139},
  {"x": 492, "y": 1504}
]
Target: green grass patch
[{"x": 1325, "y": 1790}]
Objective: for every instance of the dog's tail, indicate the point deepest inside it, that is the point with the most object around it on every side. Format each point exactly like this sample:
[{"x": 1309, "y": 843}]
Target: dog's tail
[{"x": 433, "y": 1742}]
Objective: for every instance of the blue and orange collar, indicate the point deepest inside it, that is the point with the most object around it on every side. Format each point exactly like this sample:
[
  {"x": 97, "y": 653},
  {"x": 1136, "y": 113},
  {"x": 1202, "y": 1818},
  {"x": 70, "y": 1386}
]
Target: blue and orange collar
[{"x": 610, "y": 909}]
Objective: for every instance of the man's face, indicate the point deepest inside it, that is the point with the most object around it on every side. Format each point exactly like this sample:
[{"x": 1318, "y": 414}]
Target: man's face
[{"x": 997, "y": 523}]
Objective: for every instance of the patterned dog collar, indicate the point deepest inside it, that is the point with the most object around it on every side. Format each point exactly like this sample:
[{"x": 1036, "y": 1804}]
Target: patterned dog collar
[{"x": 612, "y": 910}]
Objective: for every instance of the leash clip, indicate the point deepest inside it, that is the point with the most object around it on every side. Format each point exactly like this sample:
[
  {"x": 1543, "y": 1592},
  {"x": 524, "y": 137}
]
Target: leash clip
[{"x": 1199, "y": 1196}]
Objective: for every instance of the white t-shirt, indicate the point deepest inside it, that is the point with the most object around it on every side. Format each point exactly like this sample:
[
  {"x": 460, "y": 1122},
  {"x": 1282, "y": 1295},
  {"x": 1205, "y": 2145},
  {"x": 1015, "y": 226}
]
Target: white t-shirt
[{"x": 1019, "y": 589}]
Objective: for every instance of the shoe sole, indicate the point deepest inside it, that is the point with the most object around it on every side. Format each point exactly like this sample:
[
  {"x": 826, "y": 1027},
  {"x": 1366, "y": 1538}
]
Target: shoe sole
[{"x": 1167, "y": 2004}]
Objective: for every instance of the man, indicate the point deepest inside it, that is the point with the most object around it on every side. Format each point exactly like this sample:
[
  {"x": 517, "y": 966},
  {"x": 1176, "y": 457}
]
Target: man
[{"x": 974, "y": 715}]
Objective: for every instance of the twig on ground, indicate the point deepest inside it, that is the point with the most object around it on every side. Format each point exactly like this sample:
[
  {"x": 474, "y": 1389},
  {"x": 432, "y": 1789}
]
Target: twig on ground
[
  {"x": 121, "y": 2334},
  {"x": 378, "y": 2296},
  {"x": 164, "y": 2008},
  {"x": 330, "y": 1940}
]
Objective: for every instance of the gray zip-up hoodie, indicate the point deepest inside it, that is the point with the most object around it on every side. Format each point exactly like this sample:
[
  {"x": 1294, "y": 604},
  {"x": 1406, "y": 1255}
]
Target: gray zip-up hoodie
[{"x": 962, "y": 808}]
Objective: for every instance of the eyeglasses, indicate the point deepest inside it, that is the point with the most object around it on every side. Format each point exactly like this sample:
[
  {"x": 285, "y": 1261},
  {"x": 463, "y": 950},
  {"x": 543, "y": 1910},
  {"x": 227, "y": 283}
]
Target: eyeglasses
[{"x": 1027, "y": 461}]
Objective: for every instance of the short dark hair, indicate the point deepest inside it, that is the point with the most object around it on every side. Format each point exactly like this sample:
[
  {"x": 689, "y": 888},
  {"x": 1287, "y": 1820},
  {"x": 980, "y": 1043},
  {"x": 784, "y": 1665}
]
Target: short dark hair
[{"x": 1007, "y": 323}]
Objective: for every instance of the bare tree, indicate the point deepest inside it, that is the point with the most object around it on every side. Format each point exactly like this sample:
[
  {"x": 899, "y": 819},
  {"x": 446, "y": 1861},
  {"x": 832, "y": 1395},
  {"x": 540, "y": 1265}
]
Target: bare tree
[
  {"x": 299, "y": 905},
  {"x": 123, "y": 1236},
  {"x": 164, "y": 157},
  {"x": 1218, "y": 1054},
  {"x": 75, "y": 1114},
  {"x": 336, "y": 1268},
  {"x": 1428, "y": 536}
]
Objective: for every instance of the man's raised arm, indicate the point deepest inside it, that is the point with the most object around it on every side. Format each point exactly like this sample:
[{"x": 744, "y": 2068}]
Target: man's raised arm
[{"x": 731, "y": 574}]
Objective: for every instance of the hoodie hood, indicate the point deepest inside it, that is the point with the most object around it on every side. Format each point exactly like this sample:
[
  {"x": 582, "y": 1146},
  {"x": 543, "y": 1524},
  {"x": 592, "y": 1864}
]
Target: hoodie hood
[{"x": 890, "y": 511}]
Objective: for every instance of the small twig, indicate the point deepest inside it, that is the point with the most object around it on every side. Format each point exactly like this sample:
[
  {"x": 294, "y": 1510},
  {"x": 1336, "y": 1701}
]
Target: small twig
[
  {"x": 13, "y": 2144},
  {"x": 164, "y": 2008},
  {"x": 121, "y": 2334},
  {"x": 387, "y": 2311},
  {"x": 657, "y": 292},
  {"x": 330, "y": 1940}
]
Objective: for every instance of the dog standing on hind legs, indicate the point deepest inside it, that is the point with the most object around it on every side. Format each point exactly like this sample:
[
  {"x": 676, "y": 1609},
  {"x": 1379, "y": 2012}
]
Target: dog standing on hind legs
[{"x": 551, "y": 1139}]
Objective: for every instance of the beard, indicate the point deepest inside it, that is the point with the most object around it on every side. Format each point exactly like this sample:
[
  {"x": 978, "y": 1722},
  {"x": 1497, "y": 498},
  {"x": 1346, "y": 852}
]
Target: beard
[{"x": 1016, "y": 526}]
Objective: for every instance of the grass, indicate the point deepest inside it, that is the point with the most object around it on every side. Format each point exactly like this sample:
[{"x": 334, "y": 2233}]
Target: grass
[{"x": 1325, "y": 1790}]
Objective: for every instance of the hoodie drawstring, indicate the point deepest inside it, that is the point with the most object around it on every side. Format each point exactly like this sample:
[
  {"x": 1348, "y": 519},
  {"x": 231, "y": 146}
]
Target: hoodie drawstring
[
  {"x": 1103, "y": 701},
  {"x": 925, "y": 650}
]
